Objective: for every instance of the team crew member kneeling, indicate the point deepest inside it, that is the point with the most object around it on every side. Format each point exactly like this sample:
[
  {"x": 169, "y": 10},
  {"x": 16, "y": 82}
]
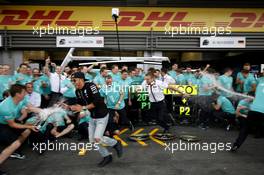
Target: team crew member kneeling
[{"x": 88, "y": 98}]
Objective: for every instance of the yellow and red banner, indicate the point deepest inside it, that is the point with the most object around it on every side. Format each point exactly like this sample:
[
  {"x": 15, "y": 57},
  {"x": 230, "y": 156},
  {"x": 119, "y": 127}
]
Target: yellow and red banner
[{"x": 131, "y": 18}]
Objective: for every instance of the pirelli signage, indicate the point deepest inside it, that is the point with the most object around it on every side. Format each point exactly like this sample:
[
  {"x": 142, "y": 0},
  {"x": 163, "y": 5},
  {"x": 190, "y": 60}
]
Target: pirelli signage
[{"x": 131, "y": 18}]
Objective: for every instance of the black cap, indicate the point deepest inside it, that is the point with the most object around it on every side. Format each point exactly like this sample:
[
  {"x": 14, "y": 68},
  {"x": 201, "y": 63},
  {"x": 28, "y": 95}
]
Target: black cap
[{"x": 78, "y": 75}]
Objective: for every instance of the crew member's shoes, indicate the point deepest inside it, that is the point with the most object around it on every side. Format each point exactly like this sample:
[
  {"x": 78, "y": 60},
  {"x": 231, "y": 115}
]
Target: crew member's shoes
[
  {"x": 3, "y": 173},
  {"x": 234, "y": 148},
  {"x": 105, "y": 161},
  {"x": 18, "y": 156},
  {"x": 119, "y": 149},
  {"x": 228, "y": 128}
]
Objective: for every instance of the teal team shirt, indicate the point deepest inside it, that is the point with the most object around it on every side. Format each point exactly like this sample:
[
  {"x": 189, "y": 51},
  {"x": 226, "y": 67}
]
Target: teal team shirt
[
  {"x": 173, "y": 74},
  {"x": 116, "y": 77},
  {"x": 70, "y": 92},
  {"x": 248, "y": 82},
  {"x": 21, "y": 105},
  {"x": 260, "y": 80},
  {"x": 204, "y": 82},
  {"x": 226, "y": 82},
  {"x": 258, "y": 104},
  {"x": 89, "y": 77},
  {"x": 137, "y": 80},
  {"x": 226, "y": 105},
  {"x": 9, "y": 110},
  {"x": 189, "y": 78},
  {"x": 5, "y": 82},
  {"x": 125, "y": 84},
  {"x": 37, "y": 85},
  {"x": 86, "y": 119},
  {"x": 99, "y": 80},
  {"x": 56, "y": 118},
  {"x": 112, "y": 94},
  {"x": 22, "y": 79},
  {"x": 244, "y": 103},
  {"x": 197, "y": 81},
  {"x": 180, "y": 79}
]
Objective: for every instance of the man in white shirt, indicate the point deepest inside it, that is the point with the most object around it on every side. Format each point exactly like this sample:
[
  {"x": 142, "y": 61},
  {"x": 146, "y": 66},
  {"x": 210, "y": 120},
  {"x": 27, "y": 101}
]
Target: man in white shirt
[
  {"x": 166, "y": 78},
  {"x": 156, "y": 97},
  {"x": 55, "y": 83},
  {"x": 34, "y": 97}
]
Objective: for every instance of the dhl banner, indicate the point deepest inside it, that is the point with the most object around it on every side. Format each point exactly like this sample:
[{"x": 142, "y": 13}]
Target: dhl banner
[{"x": 131, "y": 18}]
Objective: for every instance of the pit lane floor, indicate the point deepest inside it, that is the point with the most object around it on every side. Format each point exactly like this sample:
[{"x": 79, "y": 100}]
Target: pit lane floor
[{"x": 150, "y": 159}]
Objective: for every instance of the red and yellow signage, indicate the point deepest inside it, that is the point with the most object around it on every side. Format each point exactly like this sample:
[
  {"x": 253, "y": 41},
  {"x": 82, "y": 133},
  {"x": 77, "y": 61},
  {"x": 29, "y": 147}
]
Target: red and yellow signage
[{"x": 131, "y": 18}]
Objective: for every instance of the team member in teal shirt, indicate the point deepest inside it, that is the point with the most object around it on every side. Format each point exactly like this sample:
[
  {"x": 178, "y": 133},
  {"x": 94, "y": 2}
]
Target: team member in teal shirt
[
  {"x": 226, "y": 81},
  {"x": 243, "y": 107},
  {"x": 246, "y": 81},
  {"x": 180, "y": 79},
  {"x": 227, "y": 109},
  {"x": 10, "y": 130},
  {"x": 189, "y": 76},
  {"x": 255, "y": 118},
  {"x": 136, "y": 77},
  {"x": 206, "y": 86},
  {"x": 6, "y": 80},
  {"x": 68, "y": 91},
  {"x": 41, "y": 85},
  {"x": 249, "y": 83},
  {"x": 115, "y": 74},
  {"x": 114, "y": 97},
  {"x": 113, "y": 94},
  {"x": 173, "y": 70},
  {"x": 60, "y": 127},
  {"x": 99, "y": 80},
  {"x": 125, "y": 83},
  {"x": 22, "y": 77}
]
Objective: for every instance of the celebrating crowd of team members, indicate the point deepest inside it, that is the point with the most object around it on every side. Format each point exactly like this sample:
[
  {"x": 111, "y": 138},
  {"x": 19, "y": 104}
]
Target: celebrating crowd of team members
[{"x": 97, "y": 103}]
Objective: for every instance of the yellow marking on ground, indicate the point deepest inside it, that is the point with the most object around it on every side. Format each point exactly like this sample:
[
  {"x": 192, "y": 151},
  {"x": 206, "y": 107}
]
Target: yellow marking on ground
[
  {"x": 139, "y": 141},
  {"x": 119, "y": 139},
  {"x": 154, "y": 139},
  {"x": 82, "y": 152}
]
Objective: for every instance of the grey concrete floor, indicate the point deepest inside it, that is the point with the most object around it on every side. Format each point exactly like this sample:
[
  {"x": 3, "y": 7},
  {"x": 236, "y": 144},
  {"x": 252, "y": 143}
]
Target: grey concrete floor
[{"x": 151, "y": 159}]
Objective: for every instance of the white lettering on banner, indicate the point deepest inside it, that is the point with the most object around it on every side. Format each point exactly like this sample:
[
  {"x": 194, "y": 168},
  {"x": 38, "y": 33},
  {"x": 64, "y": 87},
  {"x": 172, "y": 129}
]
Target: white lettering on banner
[
  {"x": 79, "y": 41},
  {"x": 222, "y": 42}
]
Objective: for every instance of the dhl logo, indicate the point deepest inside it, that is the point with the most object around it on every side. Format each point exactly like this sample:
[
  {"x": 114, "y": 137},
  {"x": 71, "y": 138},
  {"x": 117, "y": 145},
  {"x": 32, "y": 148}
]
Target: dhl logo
[
  {"x": 40, "y": 17},
  {"x": 161, "y": 19},
  {"x": 128, "y": 18}
]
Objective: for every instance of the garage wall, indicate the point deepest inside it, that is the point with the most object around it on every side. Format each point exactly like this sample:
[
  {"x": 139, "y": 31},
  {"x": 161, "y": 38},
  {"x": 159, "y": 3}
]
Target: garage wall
[{"x": 129, "y": 41}]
